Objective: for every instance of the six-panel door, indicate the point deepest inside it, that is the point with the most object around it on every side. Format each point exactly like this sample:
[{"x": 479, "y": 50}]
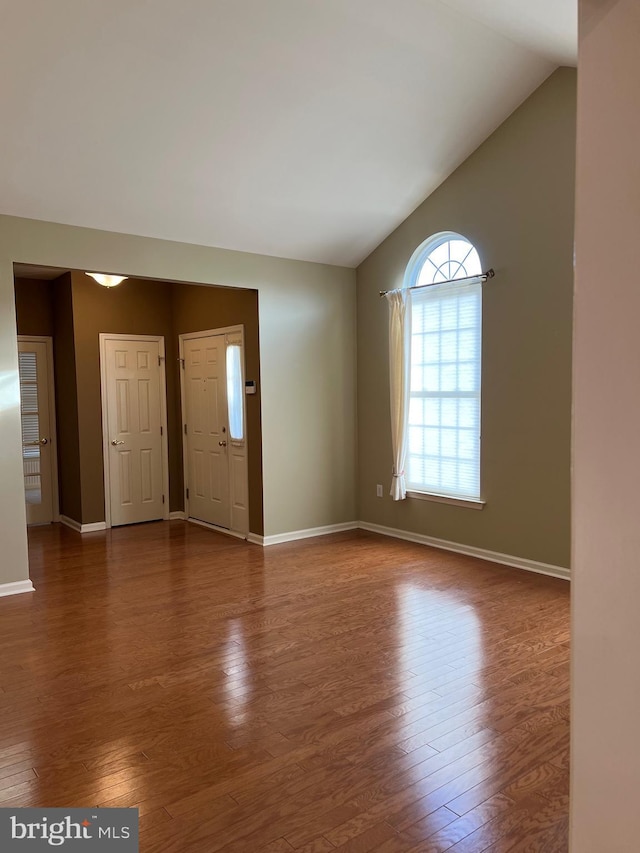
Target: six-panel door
[
  {"x": 205, "y": 397},
  {"x": 134, "y": 418}
]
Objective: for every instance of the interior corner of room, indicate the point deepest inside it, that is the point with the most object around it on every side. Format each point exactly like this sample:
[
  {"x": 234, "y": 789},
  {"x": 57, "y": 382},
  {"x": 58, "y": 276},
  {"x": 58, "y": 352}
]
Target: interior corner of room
[{"x": 512, "y": 198}]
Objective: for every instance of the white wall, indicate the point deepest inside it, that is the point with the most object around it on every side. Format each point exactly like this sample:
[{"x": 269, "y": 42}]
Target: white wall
[
  {"x": 307, "y": 353},
  {"x": 606, "y": 478},
  {"x": 13, "y": 520}
]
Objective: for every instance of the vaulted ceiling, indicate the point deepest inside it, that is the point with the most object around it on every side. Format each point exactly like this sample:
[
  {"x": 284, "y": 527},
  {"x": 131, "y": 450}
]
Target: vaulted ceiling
[{"x": 300, "y": 128}]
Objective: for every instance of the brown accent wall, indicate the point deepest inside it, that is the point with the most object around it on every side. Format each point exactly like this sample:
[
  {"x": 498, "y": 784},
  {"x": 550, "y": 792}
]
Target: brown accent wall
[
  {"x": 83, "y": 310},
  {"x": 34, "y": 307},
  {"x": 194, "y": 309},
  {"x": 135, "y": 307},
  {"x": 66, "y": 391}
]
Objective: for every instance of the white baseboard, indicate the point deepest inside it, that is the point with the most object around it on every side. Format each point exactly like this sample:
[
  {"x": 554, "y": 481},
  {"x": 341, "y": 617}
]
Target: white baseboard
[
  {"x": 309, "y": 533},
  {"x": 419, "y": 538},
  {"x": 470, "y": 551},
  {"x": 93, "y": 527},
  {"x": 16, "y": 588},
  {"x": 82, "y": 528},
  {"x": 177, "y": 515},
  {"x": 225, "y": 531}
]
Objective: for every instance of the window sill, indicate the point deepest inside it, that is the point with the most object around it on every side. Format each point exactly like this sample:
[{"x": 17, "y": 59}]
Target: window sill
[{"x": 467, "y": 503}]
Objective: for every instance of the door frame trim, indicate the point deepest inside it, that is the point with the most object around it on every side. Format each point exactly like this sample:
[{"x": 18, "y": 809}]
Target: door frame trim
[
  {"x": 190, "y": 336},
  {"x": 107, "y": 336},
  {"x": 51, "y": 393}
]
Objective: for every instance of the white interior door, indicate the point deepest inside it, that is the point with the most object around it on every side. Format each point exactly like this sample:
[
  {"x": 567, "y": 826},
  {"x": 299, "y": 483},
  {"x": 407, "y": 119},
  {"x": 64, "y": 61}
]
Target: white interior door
[
  {"x": 207, "y": 438},
  {"x": 214, "y": 418},
  {"x": 133, "y": 385},
  {"x": 38, "y": 445}
]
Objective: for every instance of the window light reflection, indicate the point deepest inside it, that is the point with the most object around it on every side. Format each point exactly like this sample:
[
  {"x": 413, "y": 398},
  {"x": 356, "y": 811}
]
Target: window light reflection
[
  {"x": 9, "y": 391},
  {"x": 440, "y": 659},
  {"x": 237, "y": 685}
]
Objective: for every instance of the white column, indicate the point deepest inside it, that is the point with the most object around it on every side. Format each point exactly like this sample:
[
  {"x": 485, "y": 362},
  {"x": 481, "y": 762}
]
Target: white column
[
  {"x": 605, "y": 817},
  {"x": 14, "y": 568}
]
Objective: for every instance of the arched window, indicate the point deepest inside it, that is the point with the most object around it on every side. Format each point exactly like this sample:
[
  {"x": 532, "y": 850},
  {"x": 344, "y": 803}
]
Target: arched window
[
  {"x": 442, "y": 257},
  {"x": 443, "y": 428}
]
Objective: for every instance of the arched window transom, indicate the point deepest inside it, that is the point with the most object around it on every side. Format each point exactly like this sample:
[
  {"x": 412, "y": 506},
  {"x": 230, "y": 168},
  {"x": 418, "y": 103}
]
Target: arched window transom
[{"x": 443, "y": 257}]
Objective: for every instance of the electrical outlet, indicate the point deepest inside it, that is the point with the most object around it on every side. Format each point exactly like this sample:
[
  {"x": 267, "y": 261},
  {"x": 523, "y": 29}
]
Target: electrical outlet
[{"x": 379, "y": 490}]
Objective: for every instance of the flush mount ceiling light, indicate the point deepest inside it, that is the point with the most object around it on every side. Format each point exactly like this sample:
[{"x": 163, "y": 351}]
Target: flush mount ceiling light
[{"x": 105, "y": 279}]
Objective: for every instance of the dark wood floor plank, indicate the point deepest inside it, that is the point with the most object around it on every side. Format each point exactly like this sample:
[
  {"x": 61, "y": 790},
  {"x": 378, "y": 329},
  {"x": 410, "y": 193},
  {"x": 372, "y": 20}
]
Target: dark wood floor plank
[{"x": 350, "y": 692}]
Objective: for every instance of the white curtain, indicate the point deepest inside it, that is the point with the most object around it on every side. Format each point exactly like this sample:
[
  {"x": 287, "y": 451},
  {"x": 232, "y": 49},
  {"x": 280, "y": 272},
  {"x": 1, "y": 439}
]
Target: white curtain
[{"x": 399, "y": 376}]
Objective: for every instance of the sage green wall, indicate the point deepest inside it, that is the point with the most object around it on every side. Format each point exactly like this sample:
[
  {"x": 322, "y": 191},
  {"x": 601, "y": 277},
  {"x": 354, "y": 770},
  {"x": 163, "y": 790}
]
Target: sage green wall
[
  {"x": 307, "y": 366},
  {"x": 514, "y": 199}
]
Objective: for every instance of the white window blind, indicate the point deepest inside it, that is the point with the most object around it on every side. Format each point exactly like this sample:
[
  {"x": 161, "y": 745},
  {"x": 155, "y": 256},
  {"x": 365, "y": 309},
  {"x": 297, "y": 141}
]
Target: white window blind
[{"x": 444, "y": 409}]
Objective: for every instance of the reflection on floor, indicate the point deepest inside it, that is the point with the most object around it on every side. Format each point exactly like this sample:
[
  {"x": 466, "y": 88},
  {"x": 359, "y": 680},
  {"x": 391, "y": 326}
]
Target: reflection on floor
[{"x": 351, "y": 692}]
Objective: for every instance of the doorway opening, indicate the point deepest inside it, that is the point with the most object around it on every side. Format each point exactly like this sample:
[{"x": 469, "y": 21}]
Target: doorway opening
[
  {"x": 37, "y": 413},
  {"x": 74, "y": 311}
]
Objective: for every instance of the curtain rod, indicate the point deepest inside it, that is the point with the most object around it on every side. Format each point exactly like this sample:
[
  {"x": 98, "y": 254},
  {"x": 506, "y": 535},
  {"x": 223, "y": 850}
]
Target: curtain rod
[{"x": 483, "y": 277}]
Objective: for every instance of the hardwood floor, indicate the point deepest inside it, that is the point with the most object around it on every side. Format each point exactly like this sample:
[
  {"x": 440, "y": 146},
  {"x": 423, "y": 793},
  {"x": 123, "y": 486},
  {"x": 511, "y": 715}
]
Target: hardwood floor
[{"x": 351, "y": 693}]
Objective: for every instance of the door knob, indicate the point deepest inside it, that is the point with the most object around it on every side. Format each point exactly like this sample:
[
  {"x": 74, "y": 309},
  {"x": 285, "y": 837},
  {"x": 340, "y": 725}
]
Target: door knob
[
  {"x": 222, "y": 443},
  {"x": 115, "y": 442},
  {"x": 44, "y": 441}
]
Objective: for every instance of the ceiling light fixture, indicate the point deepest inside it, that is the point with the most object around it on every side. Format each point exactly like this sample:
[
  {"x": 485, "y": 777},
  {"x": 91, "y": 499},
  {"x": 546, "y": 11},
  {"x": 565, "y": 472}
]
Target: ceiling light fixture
[{"x": 105, "y": 279}]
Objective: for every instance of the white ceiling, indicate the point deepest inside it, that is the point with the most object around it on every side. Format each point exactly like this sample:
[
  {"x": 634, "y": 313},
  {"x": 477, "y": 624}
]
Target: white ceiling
[{"x": 301, "y": 128}]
